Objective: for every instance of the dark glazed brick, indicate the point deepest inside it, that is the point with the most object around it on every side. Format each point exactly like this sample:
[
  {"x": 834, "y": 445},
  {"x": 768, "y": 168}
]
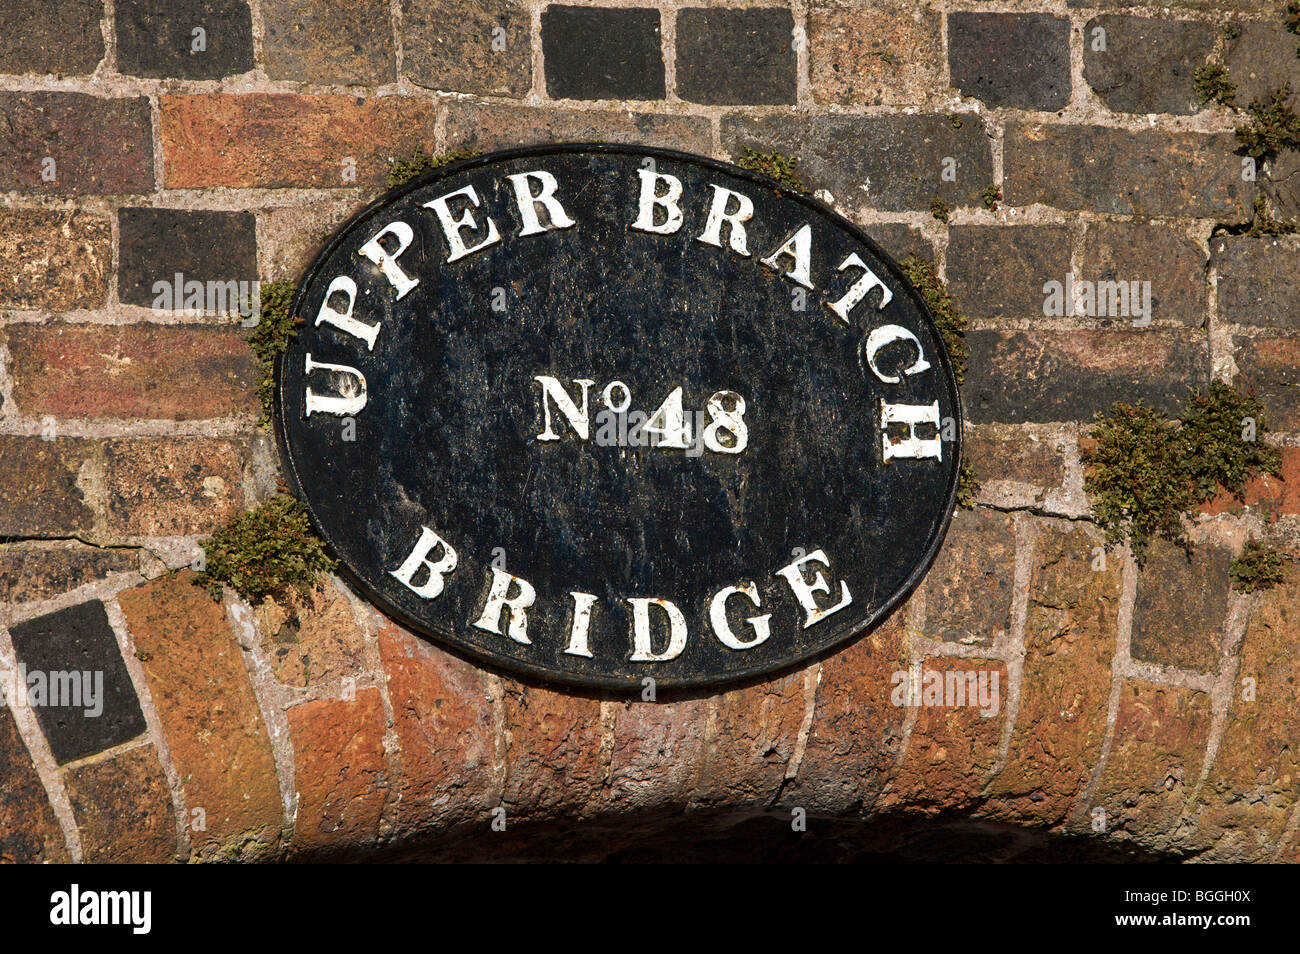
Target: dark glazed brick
[
  {"x": 900, "y": 241},
  {"x": 38, "y": 39},
  {"x": 488, "y": 126},
  {"x": 1020, "y": 60},
  {"x": 1149, "y": 251},
  {"x": 30, "y": 575},
  {"x": 1039, "y": 376},
  {"x": 339, "y": 42},
  {"x": 29, "y": 832},
  {"x": 599, "y": 53},
  {"x": 448, "y": 44},
  {"x": 1182, "y": 603},
  {"x": 41, "y": 493},
  {"x": 78, "y": 640},
  {"x": 735, "y": 56},
  {"x": 155, "y": 38},
  {"x": 892, "y": 163},
  {"x": 1147, "y": 64},
  {"x": 1257, "y": 280},
  {"x": 203, "y": 246},
  {"x": 98, "y": 145},
  {"x": 995, "y": 270},
  {"x": 1261, "y": 58},
  {"x": 1147, "y": 172},
  {"x": 1271, "y": 367}
]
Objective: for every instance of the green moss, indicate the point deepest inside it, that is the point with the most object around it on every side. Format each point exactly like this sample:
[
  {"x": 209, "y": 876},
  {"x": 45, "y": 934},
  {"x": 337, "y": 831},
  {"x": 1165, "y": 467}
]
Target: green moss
[
  {"x": 402, "y": 171},
  {"x": 954, "y": 121},
  {"x": 269, "y": 551},
  {"x": 1147, "y": 470},
  {"x": 1293, "y": 16},
  {"x": 990, "y": 195},
  {"x": 270, "y": 337},
  {"x": 939, "y": 209},
  {"x": 1212, "y": 85},
  {"x": 1258, "y": 568},
  {"x": 968, "y": 486},
  {"x": 1231, "y": 31},
  {"x": 774, "y": 165},
  {"x": 951, "y": 323},
  {"x": 1273, "y": 125},
  {"x": 1263, "y": 223}
]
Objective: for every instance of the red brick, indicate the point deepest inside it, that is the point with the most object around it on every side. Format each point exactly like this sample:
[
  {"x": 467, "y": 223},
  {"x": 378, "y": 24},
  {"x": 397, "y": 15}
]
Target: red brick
[
  {"x": 343, "y": 42},
  {"x": 874, "y": 55},
  {"x": 1154, "y": 761},
  {"x": 285, "y": 140},
  {"x": 123, "y": 808},
  {"x": 42, "y": 493},
  {"x": 552, "y": 752},
  {"x": 754, "y": 733},
  {"x": 1070, "y": 633},
  {"x": 29, "y": 831},
  {"x": 952, "y": 748},
  {"x": 58, "y": 260},
  {"x": 443, "y": 719},
  {"x": 312, "y": 640},
  {"x": 172, "y": 486},
  {"x": 1271, "y": 367},
  {"x": 123, "y": 371},
  {"x": 340, "y": 771},
  {"x": 98, "y": 145},
  {"x": 656, "y": 753},
  {"x": 209, "y": 715},
  {"x": 1272, "y": 495}
]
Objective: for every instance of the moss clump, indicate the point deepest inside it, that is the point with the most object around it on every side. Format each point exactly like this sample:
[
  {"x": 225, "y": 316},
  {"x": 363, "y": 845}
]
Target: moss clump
[
  {"x": 951, "y": 323},
  {"x": 940, "y": 209},
  {"x": 1231, "y": 31},
  {"x": 954, "y": 121},
  {"x": 1293, "y": 16},
  {"x": 1273, "y": 125},
  {"x": 1212, "y": 85},
  {"x": 269, "y": 551},
  {"x": 1263, "y": 223},
  {"x": 774, "y": 165},
  {"x": 270, "y": 337},
  {"x": 1147, "y": 471},
  {"x": 1258, "y": 568},
  {"x": 968, "y": 486},
  {"x": 402, "y": 171},
  {"x": 990, "y": 195}
]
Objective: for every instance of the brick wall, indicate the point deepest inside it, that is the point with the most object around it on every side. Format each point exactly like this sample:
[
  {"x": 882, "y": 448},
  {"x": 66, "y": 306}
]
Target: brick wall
[{"x": 1144, "y": 711}]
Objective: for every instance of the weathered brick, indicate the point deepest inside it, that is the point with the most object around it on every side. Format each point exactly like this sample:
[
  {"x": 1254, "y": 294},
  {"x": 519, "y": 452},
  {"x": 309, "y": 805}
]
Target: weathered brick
[
  {"x": 733, "y": 56},
  {"x": 968, "y": 590},
  {"x": 1070, "y": 632},
  {"x": 1182, "y": 606},
  {"x": 994, "y": 270},
  {"x": 656, "y": 755},
  {"x": 341, "y": 42},
  {"x": 123, "y": 808},
  {"x": 1148, "y": 252},
  {"x": 485, "y": 127},
  {"x": 1154, "y": 760},
  {"x": 443, "y": 719},
  {"x": 1020, "y": 60},
  {"x": 124, "y": 371},
  {"x": 878, "y": 55},
  {"x": 1262, "y": 58},
  {"x": 1145, "y": 65},
  {"x": 29, "y": 832},
  {"x": 754, "y": 733},
  {"x": 38, "y": 40},
  {"x": 291, "y": 236},
  {"x": 97, "y": 145},
  {"x": 853, "y": 742},
  {"x": 42, "y": 493},
  {"x": 1248, "y": 7},
  {"x": 1009, "y": 454},
  {"x": 1039, "y": 376},
  {"x": 1271, "y": 367},
  {"x": 287, "y": 140},
  {"x": 28, "y": 574},
  {"x": 467, "y": 46},
  {"x": 954, "y": 744},
  {"x": 58, "y": 260},
  {"x": 340, "y": 771},
  {"x": 602, "y": 53},
  {"x": 208, "y": 712},
  {"x": 900, "y": 241},
  {"x": 86, "y": 700},
  {"x": 157, "y": 244},
  {"x": 552, "y": 751},
  {"x": 1114, "y": 170},
  {"x": 1256, "y": 280},
  {"x": 157, "y": 38},
  {"x": 1252, "y": 787},
  {"x": 160, "y": 487},
  {"x": 1272, "y": 495},
  {"x": 893, "y": 163},
  {"x": 312, "y": 640}
]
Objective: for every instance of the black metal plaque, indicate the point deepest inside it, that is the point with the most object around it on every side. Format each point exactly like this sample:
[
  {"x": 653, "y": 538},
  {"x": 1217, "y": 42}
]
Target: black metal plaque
[{"x": 598, "y": 414}]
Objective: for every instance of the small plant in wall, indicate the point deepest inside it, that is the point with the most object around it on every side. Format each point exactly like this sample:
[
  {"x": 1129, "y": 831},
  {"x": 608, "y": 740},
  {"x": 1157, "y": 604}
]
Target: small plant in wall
[
  {"x": 1259, "y": 567},
  {"x": 774, "y": 165},
  {"x": 402, "y": 171}
]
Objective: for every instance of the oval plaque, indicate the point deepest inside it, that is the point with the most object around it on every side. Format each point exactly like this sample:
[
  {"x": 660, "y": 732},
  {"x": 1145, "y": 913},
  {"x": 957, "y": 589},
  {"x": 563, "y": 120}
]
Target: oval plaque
[{"x": 598, "y": 413}]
